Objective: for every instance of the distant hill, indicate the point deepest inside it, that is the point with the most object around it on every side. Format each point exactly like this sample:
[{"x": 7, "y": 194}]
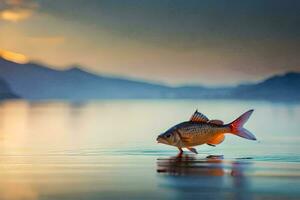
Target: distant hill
[
  {"x": 284, "y": 87},
  {"x": 36, "y": 82},
  {"x": 33, "y": 81},
  {"x": 5, "y": 92}
]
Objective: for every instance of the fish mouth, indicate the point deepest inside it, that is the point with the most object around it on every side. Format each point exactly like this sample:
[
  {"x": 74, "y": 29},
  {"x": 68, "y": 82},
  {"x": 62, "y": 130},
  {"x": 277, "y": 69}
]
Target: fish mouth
[
  {"x": 158, "y": 140},
  {"x": 161, "y": 140}
]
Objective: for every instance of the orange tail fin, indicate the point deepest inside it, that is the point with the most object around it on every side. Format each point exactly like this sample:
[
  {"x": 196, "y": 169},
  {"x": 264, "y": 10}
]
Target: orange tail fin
[{"x": 238, "y": 129}]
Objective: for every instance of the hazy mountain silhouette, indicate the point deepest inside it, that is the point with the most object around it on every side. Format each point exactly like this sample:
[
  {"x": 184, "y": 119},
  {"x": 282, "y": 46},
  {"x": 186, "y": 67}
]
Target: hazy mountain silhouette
[
  {"x": 5, "y": 92},
  {"x": 284, "y": 87},
  {"x": 34, "y": 81}
]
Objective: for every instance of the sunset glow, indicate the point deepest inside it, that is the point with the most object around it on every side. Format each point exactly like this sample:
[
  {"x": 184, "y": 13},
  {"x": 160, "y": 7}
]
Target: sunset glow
[
  {"x": 183, "y": 42},
  {"x": 15, "y": 15},
  {"x": 14, "y": 57},
  {"x": 149, "y": 99}
]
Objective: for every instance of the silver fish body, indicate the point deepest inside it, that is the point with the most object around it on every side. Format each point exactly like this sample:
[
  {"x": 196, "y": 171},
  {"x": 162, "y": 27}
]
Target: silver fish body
[
  {"x": 189, "y": 134},
  {"x": 200, "y": 130}
]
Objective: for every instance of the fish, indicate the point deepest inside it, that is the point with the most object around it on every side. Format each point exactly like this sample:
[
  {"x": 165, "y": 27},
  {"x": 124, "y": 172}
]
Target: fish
[{"x": 200, "y": 130}]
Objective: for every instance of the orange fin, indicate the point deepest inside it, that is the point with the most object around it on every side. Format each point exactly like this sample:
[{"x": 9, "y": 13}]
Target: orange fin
[
  {"x": 216, "y": 140},
  {"x": 216, "y": 121},
  {"x": 238, "y": 129},
  {"x": 198, "y": 117}
]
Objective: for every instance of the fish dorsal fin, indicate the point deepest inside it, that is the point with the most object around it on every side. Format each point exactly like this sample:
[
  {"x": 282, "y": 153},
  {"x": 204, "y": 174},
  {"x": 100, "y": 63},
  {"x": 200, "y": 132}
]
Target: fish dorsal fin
[
  {"x": 216, "y": 121},
  {"x": 198, "y": 117}
]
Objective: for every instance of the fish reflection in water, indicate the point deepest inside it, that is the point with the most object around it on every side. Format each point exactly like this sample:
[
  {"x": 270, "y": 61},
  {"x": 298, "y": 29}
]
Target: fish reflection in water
[{"x": 211, "y": 177}]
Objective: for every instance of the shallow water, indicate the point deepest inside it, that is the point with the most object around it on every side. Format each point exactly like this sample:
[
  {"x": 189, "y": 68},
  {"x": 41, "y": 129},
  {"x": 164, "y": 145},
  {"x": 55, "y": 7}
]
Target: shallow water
[{"x": 107, "y": 150}]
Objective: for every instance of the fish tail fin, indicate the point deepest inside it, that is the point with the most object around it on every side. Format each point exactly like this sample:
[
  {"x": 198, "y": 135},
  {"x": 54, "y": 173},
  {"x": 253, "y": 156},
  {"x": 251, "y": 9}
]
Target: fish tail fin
[{"x": 236, "y": 127}]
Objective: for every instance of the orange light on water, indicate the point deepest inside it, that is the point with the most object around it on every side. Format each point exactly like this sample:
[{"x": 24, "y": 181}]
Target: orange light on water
[{"x": 14, "y": 57}]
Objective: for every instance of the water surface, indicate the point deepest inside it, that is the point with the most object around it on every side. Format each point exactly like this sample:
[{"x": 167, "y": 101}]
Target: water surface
[{"x": 107, "y": 150}]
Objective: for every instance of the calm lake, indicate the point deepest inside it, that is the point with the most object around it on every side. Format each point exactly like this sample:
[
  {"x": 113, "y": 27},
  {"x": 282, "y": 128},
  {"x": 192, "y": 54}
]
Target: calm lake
[{"x": 107, "y": 150}]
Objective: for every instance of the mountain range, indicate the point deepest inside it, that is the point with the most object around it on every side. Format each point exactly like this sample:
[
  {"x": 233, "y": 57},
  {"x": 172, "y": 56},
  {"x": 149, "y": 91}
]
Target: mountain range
[
  {"x": 5, "y": 91},
  {"x": 37, "y": 82}
]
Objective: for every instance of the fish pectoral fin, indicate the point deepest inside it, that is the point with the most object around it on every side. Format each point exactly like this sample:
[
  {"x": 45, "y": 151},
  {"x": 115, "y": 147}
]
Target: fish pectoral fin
[
  {"x": 216, "y": 140},
  {"x": 192, "y": 150},
  {"x": 216, "y": 121},
  {"x": 186, "y": 140},
  {"x": 211, "y": 145}
]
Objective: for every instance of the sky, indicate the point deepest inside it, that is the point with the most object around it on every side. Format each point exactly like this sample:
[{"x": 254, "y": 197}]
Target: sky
[{"x": 212, "y": 42}]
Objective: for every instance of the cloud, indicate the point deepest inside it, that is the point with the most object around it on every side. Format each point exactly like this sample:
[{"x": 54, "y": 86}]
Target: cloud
[{"x": 17, "y": 10}]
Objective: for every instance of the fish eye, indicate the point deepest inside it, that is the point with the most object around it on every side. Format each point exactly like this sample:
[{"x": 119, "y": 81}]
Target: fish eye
[{"x": 168, "y": 135}]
